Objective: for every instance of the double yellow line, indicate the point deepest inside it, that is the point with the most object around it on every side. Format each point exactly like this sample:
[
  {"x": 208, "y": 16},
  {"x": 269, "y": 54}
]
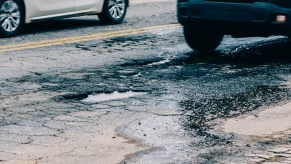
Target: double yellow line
[{"x": 99, "y": 36}]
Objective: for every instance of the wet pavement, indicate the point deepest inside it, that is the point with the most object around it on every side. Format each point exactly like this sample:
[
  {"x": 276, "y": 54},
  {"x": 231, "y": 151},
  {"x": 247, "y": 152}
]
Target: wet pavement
[{"x": 148, "y": 98}]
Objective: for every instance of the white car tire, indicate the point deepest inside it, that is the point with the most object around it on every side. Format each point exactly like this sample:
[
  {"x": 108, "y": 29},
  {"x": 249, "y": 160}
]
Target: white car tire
[
  {"x": 11, "y": 17},
  {"x": 113, "y": 11}
]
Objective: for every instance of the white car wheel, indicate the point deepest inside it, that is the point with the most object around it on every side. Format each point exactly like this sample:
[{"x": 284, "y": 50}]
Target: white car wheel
[
  {"x": 114, "y": 11},
  {"x": 11, "y": 17}
]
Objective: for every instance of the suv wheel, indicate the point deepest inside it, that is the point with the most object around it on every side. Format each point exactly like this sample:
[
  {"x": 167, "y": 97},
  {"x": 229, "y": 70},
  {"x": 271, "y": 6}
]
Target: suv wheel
[
  {"x": 11, "y": 17},
  {"x": 113, "y": 11},
  {"x": 202, "y": 40}
]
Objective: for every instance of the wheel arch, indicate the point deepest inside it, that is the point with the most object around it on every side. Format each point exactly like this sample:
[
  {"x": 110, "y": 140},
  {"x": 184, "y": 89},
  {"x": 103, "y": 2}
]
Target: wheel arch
[{"x": 23, "y": 5}]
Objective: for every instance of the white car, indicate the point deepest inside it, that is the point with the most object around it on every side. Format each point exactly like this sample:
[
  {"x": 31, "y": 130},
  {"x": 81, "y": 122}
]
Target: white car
[{"x": 15, "y": 13}]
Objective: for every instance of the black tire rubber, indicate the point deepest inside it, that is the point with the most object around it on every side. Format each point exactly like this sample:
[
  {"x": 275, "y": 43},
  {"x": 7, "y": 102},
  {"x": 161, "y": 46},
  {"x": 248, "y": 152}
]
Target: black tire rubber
[
  {"x": 202, "y": 40},
  {"x": 4, "y": 33},
  {"x": 105, "y": 16}
]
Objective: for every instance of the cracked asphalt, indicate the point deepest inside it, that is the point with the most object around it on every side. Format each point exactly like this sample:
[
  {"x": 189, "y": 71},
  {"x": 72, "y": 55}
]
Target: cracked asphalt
[{"x": 188, "y": 107}]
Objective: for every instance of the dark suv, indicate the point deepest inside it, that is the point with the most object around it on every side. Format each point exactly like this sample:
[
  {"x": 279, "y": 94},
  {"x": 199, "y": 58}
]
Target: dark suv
[{"x": 207, "y": 21}]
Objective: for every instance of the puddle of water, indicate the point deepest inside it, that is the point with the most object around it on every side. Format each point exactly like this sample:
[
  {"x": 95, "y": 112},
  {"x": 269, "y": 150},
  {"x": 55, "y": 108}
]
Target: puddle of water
[
  {"x": 138, "y": 75},
  {"x": 160, "y": 62},
  {"x": 267, "y": 122},
  {"x": 112, "y": 96}
]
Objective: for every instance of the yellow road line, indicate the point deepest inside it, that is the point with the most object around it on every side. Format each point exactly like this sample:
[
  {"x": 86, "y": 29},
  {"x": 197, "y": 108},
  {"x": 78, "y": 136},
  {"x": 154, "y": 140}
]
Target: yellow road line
[{"x": 99, "y": 36}]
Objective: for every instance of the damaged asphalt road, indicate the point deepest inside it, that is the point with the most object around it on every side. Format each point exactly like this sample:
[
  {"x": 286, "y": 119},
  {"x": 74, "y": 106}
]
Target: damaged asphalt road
[{"x": 160, "y": 101}]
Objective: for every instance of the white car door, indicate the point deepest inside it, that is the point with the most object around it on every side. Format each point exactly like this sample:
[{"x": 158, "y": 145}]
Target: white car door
[
  {"x": 90, "y": 5},
  {"x": 49, "y": 8}
]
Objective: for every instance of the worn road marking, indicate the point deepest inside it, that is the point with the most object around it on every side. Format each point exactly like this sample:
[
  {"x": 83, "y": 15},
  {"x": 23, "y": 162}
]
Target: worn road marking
[{"x": 99, "y": 36}]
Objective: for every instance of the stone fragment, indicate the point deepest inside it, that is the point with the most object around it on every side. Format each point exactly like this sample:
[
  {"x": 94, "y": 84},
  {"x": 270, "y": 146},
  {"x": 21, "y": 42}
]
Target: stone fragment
[
  {"x": 283, "y": 155},
  {"x": 280, "y": 150},
  {"x": 250, "y": 155},
  {"x": 257, "y": 160},
  {"x": 264, "y": 156}
]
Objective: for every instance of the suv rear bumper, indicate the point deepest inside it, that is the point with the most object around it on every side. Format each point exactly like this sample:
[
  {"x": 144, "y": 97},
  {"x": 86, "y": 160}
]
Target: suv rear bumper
[{"x": 250, "y": 19}]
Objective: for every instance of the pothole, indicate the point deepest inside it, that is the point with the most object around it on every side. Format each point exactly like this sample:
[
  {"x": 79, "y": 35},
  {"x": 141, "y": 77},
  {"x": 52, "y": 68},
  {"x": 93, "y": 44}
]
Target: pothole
[
  {"x": 267, "y": 122},
  {"x": 111, "y": 96}
]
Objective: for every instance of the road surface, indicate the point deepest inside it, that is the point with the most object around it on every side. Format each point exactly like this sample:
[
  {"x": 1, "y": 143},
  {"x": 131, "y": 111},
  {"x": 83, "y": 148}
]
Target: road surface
[{"x": 76, "y": 91}]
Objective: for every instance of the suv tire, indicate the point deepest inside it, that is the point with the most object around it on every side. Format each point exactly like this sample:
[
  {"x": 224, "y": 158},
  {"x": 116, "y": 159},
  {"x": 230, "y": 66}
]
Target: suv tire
[{"x": 202, "y": 40}]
